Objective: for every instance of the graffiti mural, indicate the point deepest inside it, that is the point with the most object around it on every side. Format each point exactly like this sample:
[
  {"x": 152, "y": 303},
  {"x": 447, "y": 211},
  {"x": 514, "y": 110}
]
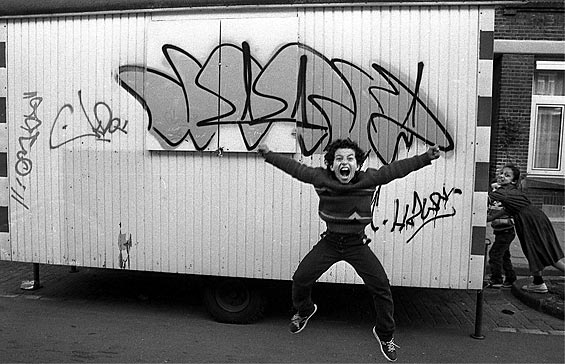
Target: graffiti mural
[{"x": 324, "y": 98}]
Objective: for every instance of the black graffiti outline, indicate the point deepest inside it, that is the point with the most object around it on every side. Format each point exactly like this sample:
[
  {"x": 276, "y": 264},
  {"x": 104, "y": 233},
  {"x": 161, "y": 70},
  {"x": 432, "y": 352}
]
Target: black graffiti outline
[
  {"x": 99, "y": 128},
  {"x": 408, "y": 139}
]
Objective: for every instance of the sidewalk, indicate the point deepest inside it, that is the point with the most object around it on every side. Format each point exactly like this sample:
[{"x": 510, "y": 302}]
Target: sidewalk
[{"x": 552, "y": 302}]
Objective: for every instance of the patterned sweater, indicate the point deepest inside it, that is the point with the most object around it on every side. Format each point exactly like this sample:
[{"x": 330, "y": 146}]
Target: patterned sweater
[{"x": 346, "y": 208}]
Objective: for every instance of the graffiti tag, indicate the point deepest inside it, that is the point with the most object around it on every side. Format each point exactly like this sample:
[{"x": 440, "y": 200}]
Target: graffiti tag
[
  {"x": 101, "y": 124},
  {"x": 24, "y": 164},
  {"x": 420, "y": 212}
]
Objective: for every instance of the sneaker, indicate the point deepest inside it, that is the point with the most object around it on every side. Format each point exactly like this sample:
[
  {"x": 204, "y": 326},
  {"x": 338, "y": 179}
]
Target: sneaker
[
  {"x": 298, "y": 323},
  {"x": 508, "y": 283},
  {"x": 535, "y": 288},
  {"x": 494, "y": 284},
  {"x": 388, "y": 348}
]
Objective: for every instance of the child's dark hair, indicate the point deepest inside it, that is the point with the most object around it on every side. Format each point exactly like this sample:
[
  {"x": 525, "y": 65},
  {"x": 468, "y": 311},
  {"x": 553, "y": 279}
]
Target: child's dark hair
[
  {"x": 360, "y": 155},
  {"x": 515, "y": 171}
]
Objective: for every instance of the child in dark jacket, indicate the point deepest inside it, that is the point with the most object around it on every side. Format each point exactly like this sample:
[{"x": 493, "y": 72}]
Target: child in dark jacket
[
  {"x": 535, "y": 232},
  {"x": 499, "y": 253},
  {"x": 346, "y": 194}
]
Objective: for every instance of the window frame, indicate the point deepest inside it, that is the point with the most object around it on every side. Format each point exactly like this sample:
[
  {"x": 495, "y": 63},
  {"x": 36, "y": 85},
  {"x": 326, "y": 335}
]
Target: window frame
[{"x": 546, "y": 101}]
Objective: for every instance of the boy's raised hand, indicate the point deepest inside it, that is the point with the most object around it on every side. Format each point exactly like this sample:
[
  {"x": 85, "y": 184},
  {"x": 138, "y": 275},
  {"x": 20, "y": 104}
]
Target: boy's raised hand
[
  {"x": 263, "y": 149},
  {"x": 433, "y": 152}
]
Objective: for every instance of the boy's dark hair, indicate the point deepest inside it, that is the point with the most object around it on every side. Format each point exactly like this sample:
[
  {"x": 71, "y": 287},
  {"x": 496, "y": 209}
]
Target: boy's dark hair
[
  {"x": 515, "y": 171},
  {"x": 360, "y": 155}
]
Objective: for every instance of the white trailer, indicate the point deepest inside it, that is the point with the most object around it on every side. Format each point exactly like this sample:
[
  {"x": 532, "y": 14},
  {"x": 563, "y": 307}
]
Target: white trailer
[{"x": 128, "y": 137}]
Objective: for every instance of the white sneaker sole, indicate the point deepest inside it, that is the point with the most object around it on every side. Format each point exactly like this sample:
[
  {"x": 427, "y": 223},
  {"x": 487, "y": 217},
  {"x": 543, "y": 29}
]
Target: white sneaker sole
[
  {"x": 306, "y": 321},
  {"x": 525, "y": 288}
]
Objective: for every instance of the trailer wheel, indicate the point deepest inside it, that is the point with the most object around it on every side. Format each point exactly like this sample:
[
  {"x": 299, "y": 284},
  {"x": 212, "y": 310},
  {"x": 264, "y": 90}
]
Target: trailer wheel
[{"x": 234, "y": 301}]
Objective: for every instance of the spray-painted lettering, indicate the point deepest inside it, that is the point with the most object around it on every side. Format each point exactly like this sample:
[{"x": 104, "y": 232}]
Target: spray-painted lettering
[
  {"x": 24, "y": 165},
  {"x": 296, "y": 85},
  {"x": 101, "y": 124},
  {"x": 420, "y": 212}
]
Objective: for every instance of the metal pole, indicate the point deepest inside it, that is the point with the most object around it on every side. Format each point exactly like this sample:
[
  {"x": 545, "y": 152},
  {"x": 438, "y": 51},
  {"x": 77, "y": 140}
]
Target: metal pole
[
  {"x": 479, "y": 317},
  {"x": 36, "y": 282},
  {"x": 479, "y": 305}
]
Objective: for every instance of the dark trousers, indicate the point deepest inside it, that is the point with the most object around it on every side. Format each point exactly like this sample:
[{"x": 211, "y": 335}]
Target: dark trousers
[
  {"x": 326, "y": 253},
  {"x": 499, "y": 256}
]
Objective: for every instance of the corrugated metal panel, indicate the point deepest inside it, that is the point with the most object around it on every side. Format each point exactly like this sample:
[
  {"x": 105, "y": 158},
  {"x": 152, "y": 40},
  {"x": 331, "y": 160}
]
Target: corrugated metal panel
[
  {"x": 445, "y": 40},
  {"x": 77, "y": 186},
  {"x": 99, "y": 192}
]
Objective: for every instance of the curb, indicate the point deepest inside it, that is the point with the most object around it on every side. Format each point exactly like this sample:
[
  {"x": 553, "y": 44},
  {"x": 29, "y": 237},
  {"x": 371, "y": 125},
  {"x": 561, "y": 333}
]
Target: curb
[
  {"x": 550, "y": 303},
  {"x": 522, "y": 270}
]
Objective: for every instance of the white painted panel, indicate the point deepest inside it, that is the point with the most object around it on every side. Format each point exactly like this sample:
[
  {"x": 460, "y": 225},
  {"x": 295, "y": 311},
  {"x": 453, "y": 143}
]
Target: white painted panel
[
  {"x": 3, "y": 31},
  {"x": 479, "y": 211},
  {"x": 485, "y": 77},
  {"x": 476, "y": 269},
  {"x": 486, "y": 19},
  {"x": 4, "y": 191},
  {"x": 3, "y": 85},
  {"x": 3, "y": 138},
  {"x": 5, "y": 248},
  {"x": 100, "y": 177},
  {"x": 482, "y": 141}
]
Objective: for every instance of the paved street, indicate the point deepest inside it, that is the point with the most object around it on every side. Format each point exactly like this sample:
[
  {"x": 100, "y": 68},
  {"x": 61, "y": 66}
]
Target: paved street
[{"x": 98, "y": 315}]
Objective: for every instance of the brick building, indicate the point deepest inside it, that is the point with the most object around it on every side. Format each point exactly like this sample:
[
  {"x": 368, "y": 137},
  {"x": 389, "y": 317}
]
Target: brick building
[{"x": 529, "y": 98}]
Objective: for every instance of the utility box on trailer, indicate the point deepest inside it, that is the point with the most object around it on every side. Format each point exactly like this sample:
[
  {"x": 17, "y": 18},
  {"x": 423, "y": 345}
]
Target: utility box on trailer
[{"x": 128, "y": 138}]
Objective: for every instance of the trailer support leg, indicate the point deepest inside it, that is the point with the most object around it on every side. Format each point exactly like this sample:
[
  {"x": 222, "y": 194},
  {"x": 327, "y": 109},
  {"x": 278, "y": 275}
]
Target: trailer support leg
[
  {"x": 35, "y": 283},
  {"x": 479, "y": 303},
  {"x": 479, "y": 317}
]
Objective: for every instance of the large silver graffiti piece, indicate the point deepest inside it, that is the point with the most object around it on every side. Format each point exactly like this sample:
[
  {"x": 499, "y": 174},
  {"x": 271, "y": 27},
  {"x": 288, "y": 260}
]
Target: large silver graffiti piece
[{"x": 324, "y": 98}]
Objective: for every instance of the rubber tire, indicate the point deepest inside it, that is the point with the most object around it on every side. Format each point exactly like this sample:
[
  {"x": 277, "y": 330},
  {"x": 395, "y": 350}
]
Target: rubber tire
[{"x": 234, "y": 301}]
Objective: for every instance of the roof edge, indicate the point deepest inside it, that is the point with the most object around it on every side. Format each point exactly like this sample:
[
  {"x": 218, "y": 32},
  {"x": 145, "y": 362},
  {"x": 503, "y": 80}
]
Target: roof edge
[{"x": 19, "y": 9}]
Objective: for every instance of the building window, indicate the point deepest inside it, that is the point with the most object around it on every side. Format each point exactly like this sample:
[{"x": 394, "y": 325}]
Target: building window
[{"x": 547, "y": 154}]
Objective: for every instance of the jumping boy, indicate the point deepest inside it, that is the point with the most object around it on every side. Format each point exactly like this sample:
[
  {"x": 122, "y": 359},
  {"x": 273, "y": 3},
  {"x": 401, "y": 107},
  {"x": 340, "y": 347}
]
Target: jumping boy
[{"x": 346, "y": 194}]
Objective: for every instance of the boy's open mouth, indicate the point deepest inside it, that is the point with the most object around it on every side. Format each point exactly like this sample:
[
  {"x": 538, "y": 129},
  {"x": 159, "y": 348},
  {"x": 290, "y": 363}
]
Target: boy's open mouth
[{"x": 344, "y": 171}]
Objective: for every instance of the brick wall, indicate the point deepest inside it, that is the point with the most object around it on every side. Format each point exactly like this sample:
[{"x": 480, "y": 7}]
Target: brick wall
[
  {"x": 512, "y": 87},
  {"x": 511, "y": 122},
  {"x": 529, "y": 23}
]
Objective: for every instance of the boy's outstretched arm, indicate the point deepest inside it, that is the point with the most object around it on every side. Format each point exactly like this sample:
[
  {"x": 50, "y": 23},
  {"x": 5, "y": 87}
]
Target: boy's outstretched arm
[
  {"x": 402, "y": 167},
  {"x": 297, "y": 170}
]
